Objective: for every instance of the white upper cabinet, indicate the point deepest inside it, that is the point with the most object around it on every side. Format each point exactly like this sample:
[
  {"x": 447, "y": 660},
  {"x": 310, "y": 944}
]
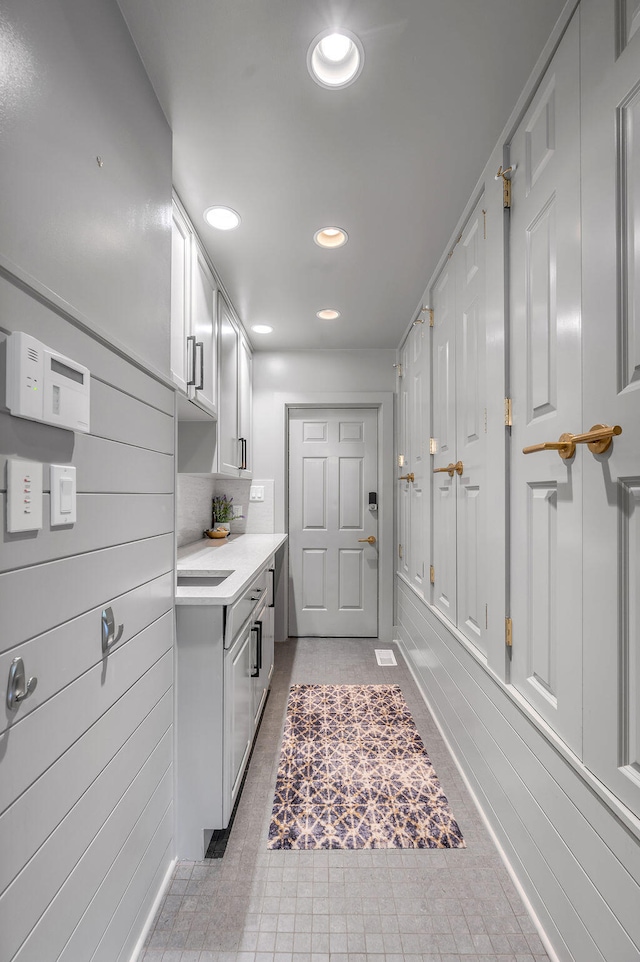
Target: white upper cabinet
[
  {"x": 193, "y": 319},
  {"x": 234, "y": 425}
]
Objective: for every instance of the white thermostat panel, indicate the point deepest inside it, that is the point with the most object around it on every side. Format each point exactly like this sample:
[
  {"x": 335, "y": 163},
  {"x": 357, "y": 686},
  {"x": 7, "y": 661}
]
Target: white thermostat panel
[{"x": 43, "y": 385}]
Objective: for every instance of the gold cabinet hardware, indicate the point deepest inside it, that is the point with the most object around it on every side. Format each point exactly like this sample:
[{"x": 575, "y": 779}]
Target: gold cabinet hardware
[
  {"x": 370, "y": 540},
  {"x": 432, "y": 575},
  {"x": 433, "y": 446},
  {"x": 598, "y": 439},
  {"x": 508, "y": 632},
  {"x": 407, "y": 477},
  {"x": 458, "y": 468},
  {"x": 418, "y": 320}
]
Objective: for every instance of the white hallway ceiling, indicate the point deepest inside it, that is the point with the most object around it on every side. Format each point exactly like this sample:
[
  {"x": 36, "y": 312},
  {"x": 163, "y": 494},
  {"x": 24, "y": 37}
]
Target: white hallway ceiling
[{"x": 392, "y": 158}]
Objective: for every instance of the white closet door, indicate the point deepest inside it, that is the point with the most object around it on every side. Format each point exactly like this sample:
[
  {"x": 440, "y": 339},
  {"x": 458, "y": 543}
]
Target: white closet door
[
  {"x": 546, "y": 491},
  {"x": 471, "y": 430},
  {"x": 418, "y": 490},
  {"x": 444, "y": 432},
  {"x": 611, "y": 330},
  {"x": 404, "y": 492}
]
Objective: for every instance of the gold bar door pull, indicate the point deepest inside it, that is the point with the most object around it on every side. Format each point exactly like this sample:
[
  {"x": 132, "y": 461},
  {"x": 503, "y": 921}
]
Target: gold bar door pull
[
  {"x": 407, "y": 477},
  {"x": 370, "y": 540},
  {"x": 450, "y": 469},
  {"x": 598, "y": 440}
]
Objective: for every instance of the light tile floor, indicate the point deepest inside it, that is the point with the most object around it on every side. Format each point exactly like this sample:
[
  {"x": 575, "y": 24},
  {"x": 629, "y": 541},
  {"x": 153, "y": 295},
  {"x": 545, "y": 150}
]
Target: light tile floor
[{"x": 387, "y": 905}]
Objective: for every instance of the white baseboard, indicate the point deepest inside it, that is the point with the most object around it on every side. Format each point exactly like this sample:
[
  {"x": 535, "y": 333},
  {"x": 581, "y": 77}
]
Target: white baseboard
[{"x": 153, "y": 911}]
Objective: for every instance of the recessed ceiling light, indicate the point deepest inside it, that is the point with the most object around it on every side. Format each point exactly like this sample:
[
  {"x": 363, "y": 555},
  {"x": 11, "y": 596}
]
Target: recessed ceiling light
[
  {"x": 328, "y": 314},
  {"x": 261, "y": 328},
  {"x": 223, "y": 218},
  {"x": 335, "y": 59},
  {"x": 330, "y": 237}
]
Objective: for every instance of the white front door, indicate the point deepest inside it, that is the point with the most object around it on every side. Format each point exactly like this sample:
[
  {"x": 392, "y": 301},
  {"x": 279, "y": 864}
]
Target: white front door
[
  {"x": 611, "y": 324},
  {"x": 546, "y": 387},
  {"x": 333, "y": 570}
]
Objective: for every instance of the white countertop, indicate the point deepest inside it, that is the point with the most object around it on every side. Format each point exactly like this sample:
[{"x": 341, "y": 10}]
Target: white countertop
[{"x": 240, "y": 556}]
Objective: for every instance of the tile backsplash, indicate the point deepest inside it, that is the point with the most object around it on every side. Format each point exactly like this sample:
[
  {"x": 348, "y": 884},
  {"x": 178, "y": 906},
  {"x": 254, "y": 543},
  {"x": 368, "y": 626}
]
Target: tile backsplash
[{"x": 194, "y": 496}]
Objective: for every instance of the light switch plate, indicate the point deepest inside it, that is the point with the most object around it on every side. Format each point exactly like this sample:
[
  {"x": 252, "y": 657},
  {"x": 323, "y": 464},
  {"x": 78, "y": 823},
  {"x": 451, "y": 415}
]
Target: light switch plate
[
  {"x": 256, "y": 492},
  {"x": 24, "y": 495},
  {"x": 63, "y": 494}
]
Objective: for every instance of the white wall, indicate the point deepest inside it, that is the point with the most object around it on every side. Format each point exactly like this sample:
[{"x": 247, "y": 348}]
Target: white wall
[
  {"x": 95, "y": 240},
  {"x": 86, "y": 824},
  {"x": 305, "y": 372}
]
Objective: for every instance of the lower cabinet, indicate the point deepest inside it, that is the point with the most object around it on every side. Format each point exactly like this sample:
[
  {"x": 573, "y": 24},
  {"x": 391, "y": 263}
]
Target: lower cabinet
[
  {"x": 239, "y": 725},
  {"x": 220, "y": 694}
]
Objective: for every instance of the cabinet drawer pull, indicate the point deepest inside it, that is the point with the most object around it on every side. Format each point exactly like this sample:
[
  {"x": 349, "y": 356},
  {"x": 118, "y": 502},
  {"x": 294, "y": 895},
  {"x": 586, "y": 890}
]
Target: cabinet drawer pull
[
  {"x": 200, "y": 386},
  {"x": 191, "y": 362}
]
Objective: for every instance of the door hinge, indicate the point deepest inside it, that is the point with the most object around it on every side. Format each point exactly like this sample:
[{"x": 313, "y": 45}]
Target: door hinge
[
  {"x": 508, "y": 632},
  {"x": 508, "y": 412},
  {"x": 432, "y": 574},
  {"x": 398, "y": 368},
  {"x": 433, "y": 446},
  {"x": 399, "y": 550},
  {"x": 401, "y": 460}
]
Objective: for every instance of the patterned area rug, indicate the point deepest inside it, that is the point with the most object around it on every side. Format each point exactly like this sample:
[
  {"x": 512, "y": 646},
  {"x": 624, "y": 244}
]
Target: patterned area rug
[{"x": 354, "y": 773}]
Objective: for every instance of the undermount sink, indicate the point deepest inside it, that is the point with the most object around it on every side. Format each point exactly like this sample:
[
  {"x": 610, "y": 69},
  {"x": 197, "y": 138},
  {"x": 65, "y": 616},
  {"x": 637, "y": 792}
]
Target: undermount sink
[{"x": 201, "y": 581}]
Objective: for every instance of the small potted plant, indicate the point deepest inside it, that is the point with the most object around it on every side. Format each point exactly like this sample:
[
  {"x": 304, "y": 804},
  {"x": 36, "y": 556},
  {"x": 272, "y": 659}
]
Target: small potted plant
[{"x": 221, "y": 516}]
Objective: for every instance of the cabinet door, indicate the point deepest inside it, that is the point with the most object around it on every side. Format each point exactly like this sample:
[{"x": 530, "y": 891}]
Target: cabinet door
[
  {"x": 181, "y": 248},
  {"x": 228, "y": 442},
  {"x": 204, "y": 329},
  {"x": 244, "y": 402},
  {"x": 238, "y": 717}
]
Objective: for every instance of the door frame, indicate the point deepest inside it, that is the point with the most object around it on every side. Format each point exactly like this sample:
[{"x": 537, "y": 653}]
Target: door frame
[{"x": 383, "y": 402}]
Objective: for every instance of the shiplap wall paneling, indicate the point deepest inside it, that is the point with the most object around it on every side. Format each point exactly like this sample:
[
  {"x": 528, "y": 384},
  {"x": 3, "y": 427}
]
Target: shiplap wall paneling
[
  {"x": 520, "y": 779},
  {"x": 96, "y": 576},
  {"x": 136, "y": 718},
  {"x": 87, "y": 788},
  {"x": 50, "y": 324}
]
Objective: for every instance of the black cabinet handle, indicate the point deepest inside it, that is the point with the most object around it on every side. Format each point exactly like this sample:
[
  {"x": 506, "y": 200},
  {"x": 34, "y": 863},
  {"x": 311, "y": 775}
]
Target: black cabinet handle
[
  {"x": 256, "y": 670},
  {"x": 243, "y": 453},
  {"x": 192, "y": 339},
  {"x": 272, "y": 572},
  {"x": 200, "y": 386},
  {"x": 259, "y": 624}
]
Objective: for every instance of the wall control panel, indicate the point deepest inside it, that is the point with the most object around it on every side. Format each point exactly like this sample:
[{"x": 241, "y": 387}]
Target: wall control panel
[
  {"x": 43, "y": 385},
  {"x": 24, "y": 495}
]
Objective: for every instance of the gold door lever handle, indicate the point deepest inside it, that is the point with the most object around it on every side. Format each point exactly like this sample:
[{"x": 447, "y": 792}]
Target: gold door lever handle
[
  {"x": 598, "y": 439},
  {"x": 458, "y": 468},
  {"x": 370, "y": 540},
  {"x": 407, "y": 477}
]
